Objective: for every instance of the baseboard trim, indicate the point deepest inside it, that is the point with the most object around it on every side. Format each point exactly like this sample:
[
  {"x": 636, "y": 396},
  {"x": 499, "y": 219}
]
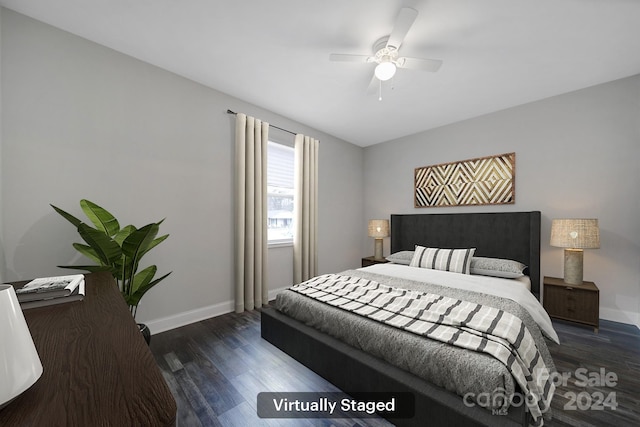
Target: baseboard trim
[
  {"x": 192, "y": 316},
  {"x": 626, "y": 317},
  {"x": 163, "y": 324}
]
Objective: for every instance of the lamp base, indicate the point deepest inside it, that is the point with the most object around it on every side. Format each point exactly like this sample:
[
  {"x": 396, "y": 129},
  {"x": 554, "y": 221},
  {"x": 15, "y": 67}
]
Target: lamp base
[
  {"x": 573, "y": 262},
  {"x": 2, "y": 405},
  {"x": 20, "y": 365},
  {"x": 378, "y": 249}
]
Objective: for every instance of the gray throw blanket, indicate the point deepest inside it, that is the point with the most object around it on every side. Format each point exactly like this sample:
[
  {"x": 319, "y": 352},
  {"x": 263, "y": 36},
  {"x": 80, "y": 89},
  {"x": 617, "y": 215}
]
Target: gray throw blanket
[{"x": 453, "y": 321}]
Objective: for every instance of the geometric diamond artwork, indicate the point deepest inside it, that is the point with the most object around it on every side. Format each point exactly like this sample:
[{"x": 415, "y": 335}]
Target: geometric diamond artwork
[{"x": 482, "y": 181}]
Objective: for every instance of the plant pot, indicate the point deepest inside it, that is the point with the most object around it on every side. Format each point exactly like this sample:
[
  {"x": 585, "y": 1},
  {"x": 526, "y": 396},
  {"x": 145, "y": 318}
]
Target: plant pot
[{"x": 146, "y": 333}]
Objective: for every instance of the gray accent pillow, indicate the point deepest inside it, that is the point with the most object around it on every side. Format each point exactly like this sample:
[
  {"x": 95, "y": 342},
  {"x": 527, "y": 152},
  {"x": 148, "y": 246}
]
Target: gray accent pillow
[
  {"x": 454, "y": 260},
  {"x": 497, "y": 267},
  {"x": 402, "y": 257}
]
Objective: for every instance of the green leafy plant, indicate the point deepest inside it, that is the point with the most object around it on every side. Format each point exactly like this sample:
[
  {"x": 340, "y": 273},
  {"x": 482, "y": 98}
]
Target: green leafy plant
[{"x": 117, "y": 250}]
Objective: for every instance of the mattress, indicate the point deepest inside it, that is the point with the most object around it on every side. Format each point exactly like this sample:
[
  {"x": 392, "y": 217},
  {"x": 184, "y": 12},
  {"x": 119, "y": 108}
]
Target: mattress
[{"x": 467, "y": 373}]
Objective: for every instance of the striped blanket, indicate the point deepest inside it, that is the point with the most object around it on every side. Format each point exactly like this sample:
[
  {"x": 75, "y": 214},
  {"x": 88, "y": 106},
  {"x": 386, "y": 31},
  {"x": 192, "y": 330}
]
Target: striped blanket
[{"x": 460, "y": 323}]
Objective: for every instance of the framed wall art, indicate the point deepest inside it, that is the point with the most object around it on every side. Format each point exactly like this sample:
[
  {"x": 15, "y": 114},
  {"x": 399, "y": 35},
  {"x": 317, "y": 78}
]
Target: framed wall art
[{"x": 482, "y": 181}]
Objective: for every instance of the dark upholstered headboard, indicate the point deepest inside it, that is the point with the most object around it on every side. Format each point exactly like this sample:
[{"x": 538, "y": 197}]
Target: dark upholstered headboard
[{"x": 509, "y": 235}]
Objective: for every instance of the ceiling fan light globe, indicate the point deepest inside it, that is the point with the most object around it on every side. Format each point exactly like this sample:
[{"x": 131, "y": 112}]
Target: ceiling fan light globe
[{"x": 385, "y": 70}]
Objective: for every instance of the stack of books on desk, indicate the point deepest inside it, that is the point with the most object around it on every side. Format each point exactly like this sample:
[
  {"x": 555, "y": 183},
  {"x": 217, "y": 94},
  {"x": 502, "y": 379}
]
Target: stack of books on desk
[{"x": 51, "y": 290}]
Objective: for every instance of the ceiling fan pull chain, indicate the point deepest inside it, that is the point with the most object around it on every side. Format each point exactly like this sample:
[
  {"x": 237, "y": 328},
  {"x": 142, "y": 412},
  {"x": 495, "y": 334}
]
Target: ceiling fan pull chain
[{"x": 380, "y": 90}]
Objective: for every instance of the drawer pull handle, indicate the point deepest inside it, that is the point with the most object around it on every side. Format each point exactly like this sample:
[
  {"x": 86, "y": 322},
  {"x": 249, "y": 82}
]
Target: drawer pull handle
[{"x": 569, "y": 288}]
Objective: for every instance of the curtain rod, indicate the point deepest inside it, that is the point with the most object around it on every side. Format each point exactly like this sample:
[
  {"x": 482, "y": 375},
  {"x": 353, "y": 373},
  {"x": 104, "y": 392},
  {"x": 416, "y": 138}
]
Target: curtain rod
[{"x": 273, "y": 126}]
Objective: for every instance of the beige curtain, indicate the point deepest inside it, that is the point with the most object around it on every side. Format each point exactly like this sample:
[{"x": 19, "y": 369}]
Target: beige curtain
[
  {"x": 305, "y": 257},
  {"x": 251, "y": 289}
]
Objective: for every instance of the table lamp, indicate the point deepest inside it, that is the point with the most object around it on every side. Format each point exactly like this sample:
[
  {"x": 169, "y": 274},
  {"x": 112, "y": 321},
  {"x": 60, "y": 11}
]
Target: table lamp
[
  {"x": 20, "y": 365},
  {"x": 574, "y": 235},
  {"x": 378, "y": 228}
]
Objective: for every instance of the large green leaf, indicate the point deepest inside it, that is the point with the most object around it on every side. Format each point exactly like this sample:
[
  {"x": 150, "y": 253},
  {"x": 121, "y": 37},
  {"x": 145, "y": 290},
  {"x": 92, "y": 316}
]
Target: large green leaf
[
  {"x": 138, "y": 242},
  {"x": 124, "y": 233},
  {"x": 100, "y": 217},
  {"x": 72, "y": 219},
  {"x": 155, "y": 243},
  {"x": 143, "y": 278},
  {"x": 133, "y": 248},
  {"x": 107, "y": 250},
  {"x": 87, "y": 251},
  {"x": 134, "y": 298}
]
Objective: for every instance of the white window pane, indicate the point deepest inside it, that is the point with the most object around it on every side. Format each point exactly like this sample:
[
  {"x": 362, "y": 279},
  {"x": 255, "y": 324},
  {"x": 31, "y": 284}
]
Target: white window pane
[{"x": 280, "y": 164}]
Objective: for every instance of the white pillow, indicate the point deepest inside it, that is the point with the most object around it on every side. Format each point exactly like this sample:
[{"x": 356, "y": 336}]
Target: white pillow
[
  {"x": 402, "y": 257},
  {"x": 454, "y": 260}
]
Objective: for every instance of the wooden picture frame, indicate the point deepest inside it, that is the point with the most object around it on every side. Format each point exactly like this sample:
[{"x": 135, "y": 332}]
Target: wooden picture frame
[{"x": 481, "y": 181}]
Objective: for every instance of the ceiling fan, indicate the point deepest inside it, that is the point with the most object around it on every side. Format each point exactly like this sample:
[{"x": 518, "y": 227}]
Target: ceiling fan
[{"x": 385, "y": 52}]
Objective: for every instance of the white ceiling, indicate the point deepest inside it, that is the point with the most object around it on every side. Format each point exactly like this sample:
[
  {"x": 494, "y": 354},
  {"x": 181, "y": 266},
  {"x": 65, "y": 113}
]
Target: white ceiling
[{"x": 496, "y": 53}]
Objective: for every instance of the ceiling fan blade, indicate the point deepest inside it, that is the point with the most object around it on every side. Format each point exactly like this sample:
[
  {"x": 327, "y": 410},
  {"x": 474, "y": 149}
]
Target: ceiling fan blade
[
  {"x": 341, "y": 57},
  {"x": 432, "y": 65},
  {"x": 403, "y": 24}
]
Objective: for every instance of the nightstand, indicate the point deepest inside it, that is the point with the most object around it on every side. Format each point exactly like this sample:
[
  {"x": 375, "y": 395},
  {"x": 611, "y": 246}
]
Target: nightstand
[
  {"x": 574, "y": 303},
  {"x": 366, "y": 262}
]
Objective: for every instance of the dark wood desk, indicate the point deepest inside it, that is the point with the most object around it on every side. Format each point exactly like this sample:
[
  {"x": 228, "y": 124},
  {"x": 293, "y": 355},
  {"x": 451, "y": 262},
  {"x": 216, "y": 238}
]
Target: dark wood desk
[{"x": 97, "y": 368}]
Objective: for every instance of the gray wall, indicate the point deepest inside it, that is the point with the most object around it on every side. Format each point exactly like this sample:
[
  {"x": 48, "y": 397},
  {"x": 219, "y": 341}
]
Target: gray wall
[
  {"x": 83, "y": 121},
  {"x": 577, "y": 155}
]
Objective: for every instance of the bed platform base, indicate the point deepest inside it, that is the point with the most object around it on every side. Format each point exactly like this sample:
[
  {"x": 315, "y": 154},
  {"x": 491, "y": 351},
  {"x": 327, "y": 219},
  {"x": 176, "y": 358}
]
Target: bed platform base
[{"x": 353, "y": 370}]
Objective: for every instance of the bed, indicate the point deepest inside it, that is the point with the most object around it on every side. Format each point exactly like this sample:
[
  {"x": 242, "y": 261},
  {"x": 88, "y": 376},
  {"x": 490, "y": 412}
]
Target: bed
[{"x": 353, "y": 366}]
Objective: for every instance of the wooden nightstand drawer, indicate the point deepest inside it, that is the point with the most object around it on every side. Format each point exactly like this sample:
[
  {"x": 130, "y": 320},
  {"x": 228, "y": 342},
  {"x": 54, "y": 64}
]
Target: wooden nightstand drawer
[{"x": 576, "y": 303}]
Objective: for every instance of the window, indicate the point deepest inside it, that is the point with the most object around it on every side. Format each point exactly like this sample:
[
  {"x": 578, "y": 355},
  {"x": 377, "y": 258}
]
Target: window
[{"x": 280, "y": 163}]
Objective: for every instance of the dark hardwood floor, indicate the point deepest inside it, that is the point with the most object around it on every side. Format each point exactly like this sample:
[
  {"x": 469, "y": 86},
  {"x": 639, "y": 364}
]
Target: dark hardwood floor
[
  {"x": 215, "y": 369},
  {"x": 596, "y": 362}
]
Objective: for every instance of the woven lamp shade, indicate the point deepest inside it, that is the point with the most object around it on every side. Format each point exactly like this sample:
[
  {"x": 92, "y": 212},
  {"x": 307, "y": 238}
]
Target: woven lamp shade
[
  {"x": 575, "y": 233},
  {"x": 379, "y": 228}
]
